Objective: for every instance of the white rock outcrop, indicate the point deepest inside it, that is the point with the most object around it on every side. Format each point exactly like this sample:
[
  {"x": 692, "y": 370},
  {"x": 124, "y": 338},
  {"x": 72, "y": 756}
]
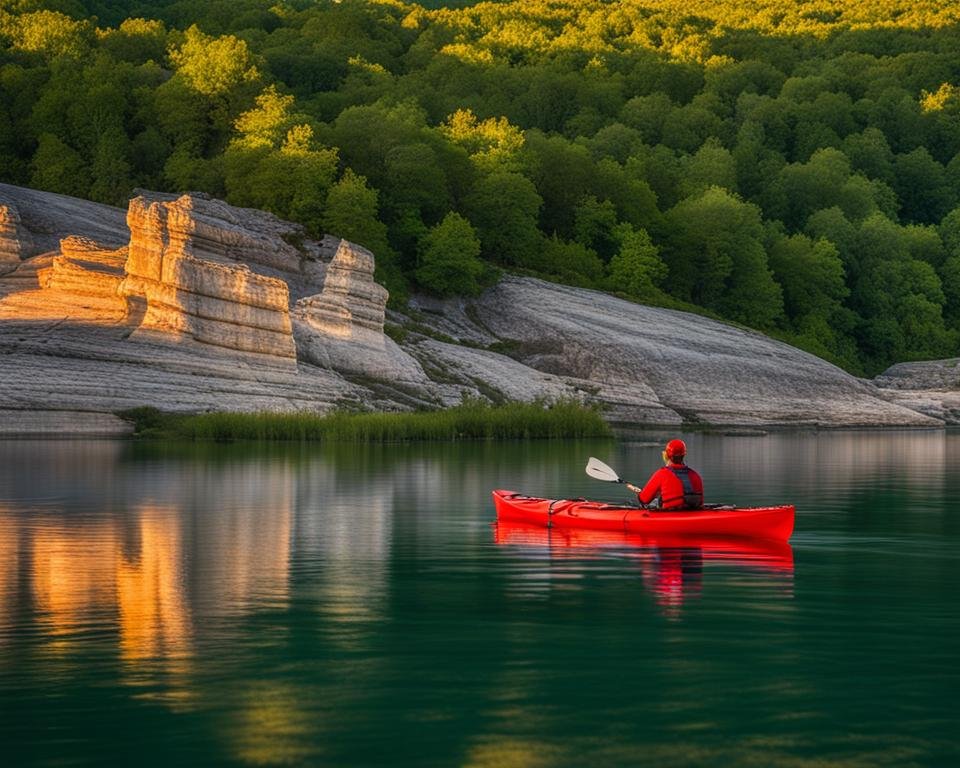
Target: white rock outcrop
[
  {"x": 685, "y": 366},
  {"x": 14, "y": 239},
  {"x": 189, "y": 304},
  {"x": 185, "y": 268},
  {"x": 342, "y": 326}
]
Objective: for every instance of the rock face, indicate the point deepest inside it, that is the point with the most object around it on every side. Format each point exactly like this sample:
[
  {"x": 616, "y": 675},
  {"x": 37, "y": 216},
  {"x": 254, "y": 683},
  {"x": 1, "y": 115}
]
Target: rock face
[
  {"x": 650, "y": 365},
  {"x": 342, "y": 326},
  {"x": 14, "y": 239},
  {"x": 189, "y": 304},
  {"x": 930, "y": 387},
  {"x": 184, "y": 275},
  {"x": 188, "y": 308}
]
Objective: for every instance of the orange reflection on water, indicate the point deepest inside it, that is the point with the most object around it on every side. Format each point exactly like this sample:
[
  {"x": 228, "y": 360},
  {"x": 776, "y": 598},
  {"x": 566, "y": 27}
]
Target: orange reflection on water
[
  {"x": 155, "y": 626},
  {"x": 71, "y": 578},
  {"x": 9, "y": 565}
]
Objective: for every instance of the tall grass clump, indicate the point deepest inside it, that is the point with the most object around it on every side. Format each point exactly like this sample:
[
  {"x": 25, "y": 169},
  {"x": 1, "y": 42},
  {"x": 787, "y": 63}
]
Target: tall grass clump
[{"x": 470, "y": 421}]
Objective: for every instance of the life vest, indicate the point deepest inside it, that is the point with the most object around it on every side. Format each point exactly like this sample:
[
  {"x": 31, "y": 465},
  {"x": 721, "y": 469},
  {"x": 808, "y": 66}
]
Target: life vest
[{"x": 692, "y": 499}]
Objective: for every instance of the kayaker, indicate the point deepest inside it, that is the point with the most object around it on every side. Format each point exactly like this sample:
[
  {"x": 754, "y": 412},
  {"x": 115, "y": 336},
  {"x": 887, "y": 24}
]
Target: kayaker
[{"x": 677, "y": 485}]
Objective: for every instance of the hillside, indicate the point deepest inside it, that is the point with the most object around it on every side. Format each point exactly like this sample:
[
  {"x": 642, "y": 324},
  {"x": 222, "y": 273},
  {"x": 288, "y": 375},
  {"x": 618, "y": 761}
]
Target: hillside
[{"x": 789, "y": 166}]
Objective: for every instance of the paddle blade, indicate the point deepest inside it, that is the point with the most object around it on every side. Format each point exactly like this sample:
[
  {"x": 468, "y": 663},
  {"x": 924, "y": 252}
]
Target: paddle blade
[{"x": 600, "y": 471}]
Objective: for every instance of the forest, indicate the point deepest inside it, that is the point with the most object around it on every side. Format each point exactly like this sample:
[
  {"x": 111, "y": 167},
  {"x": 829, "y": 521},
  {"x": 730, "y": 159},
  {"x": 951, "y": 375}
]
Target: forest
[{"x": 790, "y": 166}]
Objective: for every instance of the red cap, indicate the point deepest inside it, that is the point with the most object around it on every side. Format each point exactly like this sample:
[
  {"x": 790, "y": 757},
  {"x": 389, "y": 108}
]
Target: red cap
[{"x": 676, "y": 449}]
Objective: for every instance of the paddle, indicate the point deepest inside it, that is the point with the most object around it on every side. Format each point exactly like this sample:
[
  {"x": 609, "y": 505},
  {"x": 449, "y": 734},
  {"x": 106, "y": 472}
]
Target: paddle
[{"x": 600, "y": 471}]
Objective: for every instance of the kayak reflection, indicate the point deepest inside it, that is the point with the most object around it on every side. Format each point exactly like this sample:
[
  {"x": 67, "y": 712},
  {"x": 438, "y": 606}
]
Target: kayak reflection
[{"x": 672, "y": 567}]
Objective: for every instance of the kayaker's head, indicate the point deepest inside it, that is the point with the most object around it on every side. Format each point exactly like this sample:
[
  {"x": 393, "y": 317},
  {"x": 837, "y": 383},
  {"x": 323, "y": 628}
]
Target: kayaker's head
[{"x": 675, "y": 452}]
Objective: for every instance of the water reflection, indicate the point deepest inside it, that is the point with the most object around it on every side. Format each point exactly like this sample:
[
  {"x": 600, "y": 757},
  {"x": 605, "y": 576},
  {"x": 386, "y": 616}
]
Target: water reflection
[
  {"x": 351, "y": 606},
  {"x": 156, "y": 627},
  {"x": 672, "y": 568}
]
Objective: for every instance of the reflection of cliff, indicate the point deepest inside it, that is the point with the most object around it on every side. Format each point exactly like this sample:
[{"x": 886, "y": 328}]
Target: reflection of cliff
[
  {"x": 9, "y": 568},
  {"x": 160, "y": 559},
  {"x": 150, "y": 592},
  {"x": 73, "y": 577}
]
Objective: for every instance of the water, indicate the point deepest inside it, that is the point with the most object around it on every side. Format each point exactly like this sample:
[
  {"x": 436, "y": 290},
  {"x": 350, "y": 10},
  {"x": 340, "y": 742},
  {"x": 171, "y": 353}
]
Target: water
[{"x": 237, "y": 605}]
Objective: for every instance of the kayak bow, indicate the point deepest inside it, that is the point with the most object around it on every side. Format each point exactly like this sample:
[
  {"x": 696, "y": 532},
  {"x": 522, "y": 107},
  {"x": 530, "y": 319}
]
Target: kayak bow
[{"x": 753, "y": 522}]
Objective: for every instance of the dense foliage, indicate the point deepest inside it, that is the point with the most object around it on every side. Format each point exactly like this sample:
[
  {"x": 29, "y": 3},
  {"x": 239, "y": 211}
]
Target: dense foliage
[{"x": 793, "y": 166}]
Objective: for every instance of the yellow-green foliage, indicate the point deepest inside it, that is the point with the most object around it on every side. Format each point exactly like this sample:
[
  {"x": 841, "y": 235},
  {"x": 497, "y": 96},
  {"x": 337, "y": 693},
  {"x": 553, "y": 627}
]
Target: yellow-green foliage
[{"x": 793, "y": 165}]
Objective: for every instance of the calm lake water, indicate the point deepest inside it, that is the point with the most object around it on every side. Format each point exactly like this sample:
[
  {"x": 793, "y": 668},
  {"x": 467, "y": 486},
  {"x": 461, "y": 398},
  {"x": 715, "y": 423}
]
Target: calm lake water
[{"x": 353, "y": 606}]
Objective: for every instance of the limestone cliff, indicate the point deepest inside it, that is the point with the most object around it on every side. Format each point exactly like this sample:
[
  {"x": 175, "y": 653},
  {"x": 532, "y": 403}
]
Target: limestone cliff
[
  {"x": 185, "y": 274},
  {"x": 187, "y": 303},
  {"x": 342, "y": 326},
  {"x": 187, "y": 306}
]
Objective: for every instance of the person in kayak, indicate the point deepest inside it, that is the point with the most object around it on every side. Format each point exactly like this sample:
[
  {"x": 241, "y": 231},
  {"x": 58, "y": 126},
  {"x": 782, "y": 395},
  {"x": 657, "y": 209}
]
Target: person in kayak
[{"x": 677, "y": 485}]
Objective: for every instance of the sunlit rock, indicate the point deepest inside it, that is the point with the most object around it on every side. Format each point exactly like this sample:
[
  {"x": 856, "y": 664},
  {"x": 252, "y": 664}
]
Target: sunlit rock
[
  {"x": 188, "y": 273},
  {"x": 342, "y": 326},
  {"x": 14, "y": 239}
]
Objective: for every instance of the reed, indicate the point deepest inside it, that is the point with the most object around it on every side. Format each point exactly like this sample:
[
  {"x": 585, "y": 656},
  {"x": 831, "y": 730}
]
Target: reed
[{"x": 469, "y": 421}]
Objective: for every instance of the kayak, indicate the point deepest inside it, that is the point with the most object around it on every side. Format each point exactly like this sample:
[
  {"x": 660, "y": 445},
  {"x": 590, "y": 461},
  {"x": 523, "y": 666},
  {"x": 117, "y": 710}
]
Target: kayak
[{"x": 750, "y": 522}]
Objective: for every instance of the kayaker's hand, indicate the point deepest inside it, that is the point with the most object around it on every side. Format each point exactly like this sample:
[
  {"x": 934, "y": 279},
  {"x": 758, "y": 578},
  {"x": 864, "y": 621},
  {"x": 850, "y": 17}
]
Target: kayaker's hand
[{"x": 632, "y": 487}]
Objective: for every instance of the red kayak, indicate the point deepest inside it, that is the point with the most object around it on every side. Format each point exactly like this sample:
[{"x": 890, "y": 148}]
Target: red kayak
[{"x": 756, "y": 522}]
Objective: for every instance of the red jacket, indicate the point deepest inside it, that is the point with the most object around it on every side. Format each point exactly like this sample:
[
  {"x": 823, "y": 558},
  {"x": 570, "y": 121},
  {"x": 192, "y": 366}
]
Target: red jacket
[{"x": 666, "y": 483}]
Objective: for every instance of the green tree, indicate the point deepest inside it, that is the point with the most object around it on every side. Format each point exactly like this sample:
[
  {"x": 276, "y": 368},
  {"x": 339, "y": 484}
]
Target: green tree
[
  {"x": 570, "y": 262},
  {"x": 213, "y": 66},
  {"x": 712, "y": 165},
  {"x": 811, "y": 275},
  {"x": 923, "y": 188},
  {"x": 110, "y": 170},
  {"x": 636, "y": 269},
  {"x": 449, "y": 258},
  {"x": 504, "y": 208},
  {"x": 716, "y": 258},
  {"x": 57, "y": 167},
  {"x": 51, "y": 34},
  {"x": 594, "y": 225}
]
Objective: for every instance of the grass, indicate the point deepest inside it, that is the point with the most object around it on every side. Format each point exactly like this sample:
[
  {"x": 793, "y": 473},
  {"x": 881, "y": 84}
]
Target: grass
[{"x": 469, "y": 421}]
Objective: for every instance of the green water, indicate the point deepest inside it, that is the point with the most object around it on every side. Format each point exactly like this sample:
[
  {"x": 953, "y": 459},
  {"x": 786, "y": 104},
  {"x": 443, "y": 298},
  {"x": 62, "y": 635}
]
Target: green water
[{"x": 353, "y": 606}]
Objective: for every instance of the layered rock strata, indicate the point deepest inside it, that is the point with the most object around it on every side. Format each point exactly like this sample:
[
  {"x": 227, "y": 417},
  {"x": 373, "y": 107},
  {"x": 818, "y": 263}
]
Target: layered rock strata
[
  {"x": 14, "y": 239},
  {"x": 342, "y": 326},
  {"x": 931, "y": 387},
  {"x": 676, "y": 366},
  {"x": 185, "y": 273}
]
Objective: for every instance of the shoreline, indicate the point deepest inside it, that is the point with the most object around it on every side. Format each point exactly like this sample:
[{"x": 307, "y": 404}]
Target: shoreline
[{"x": 73, "y": 424}]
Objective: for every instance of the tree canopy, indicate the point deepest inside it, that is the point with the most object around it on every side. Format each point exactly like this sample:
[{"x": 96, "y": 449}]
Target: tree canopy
[{"x": 793, "y": 166}]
